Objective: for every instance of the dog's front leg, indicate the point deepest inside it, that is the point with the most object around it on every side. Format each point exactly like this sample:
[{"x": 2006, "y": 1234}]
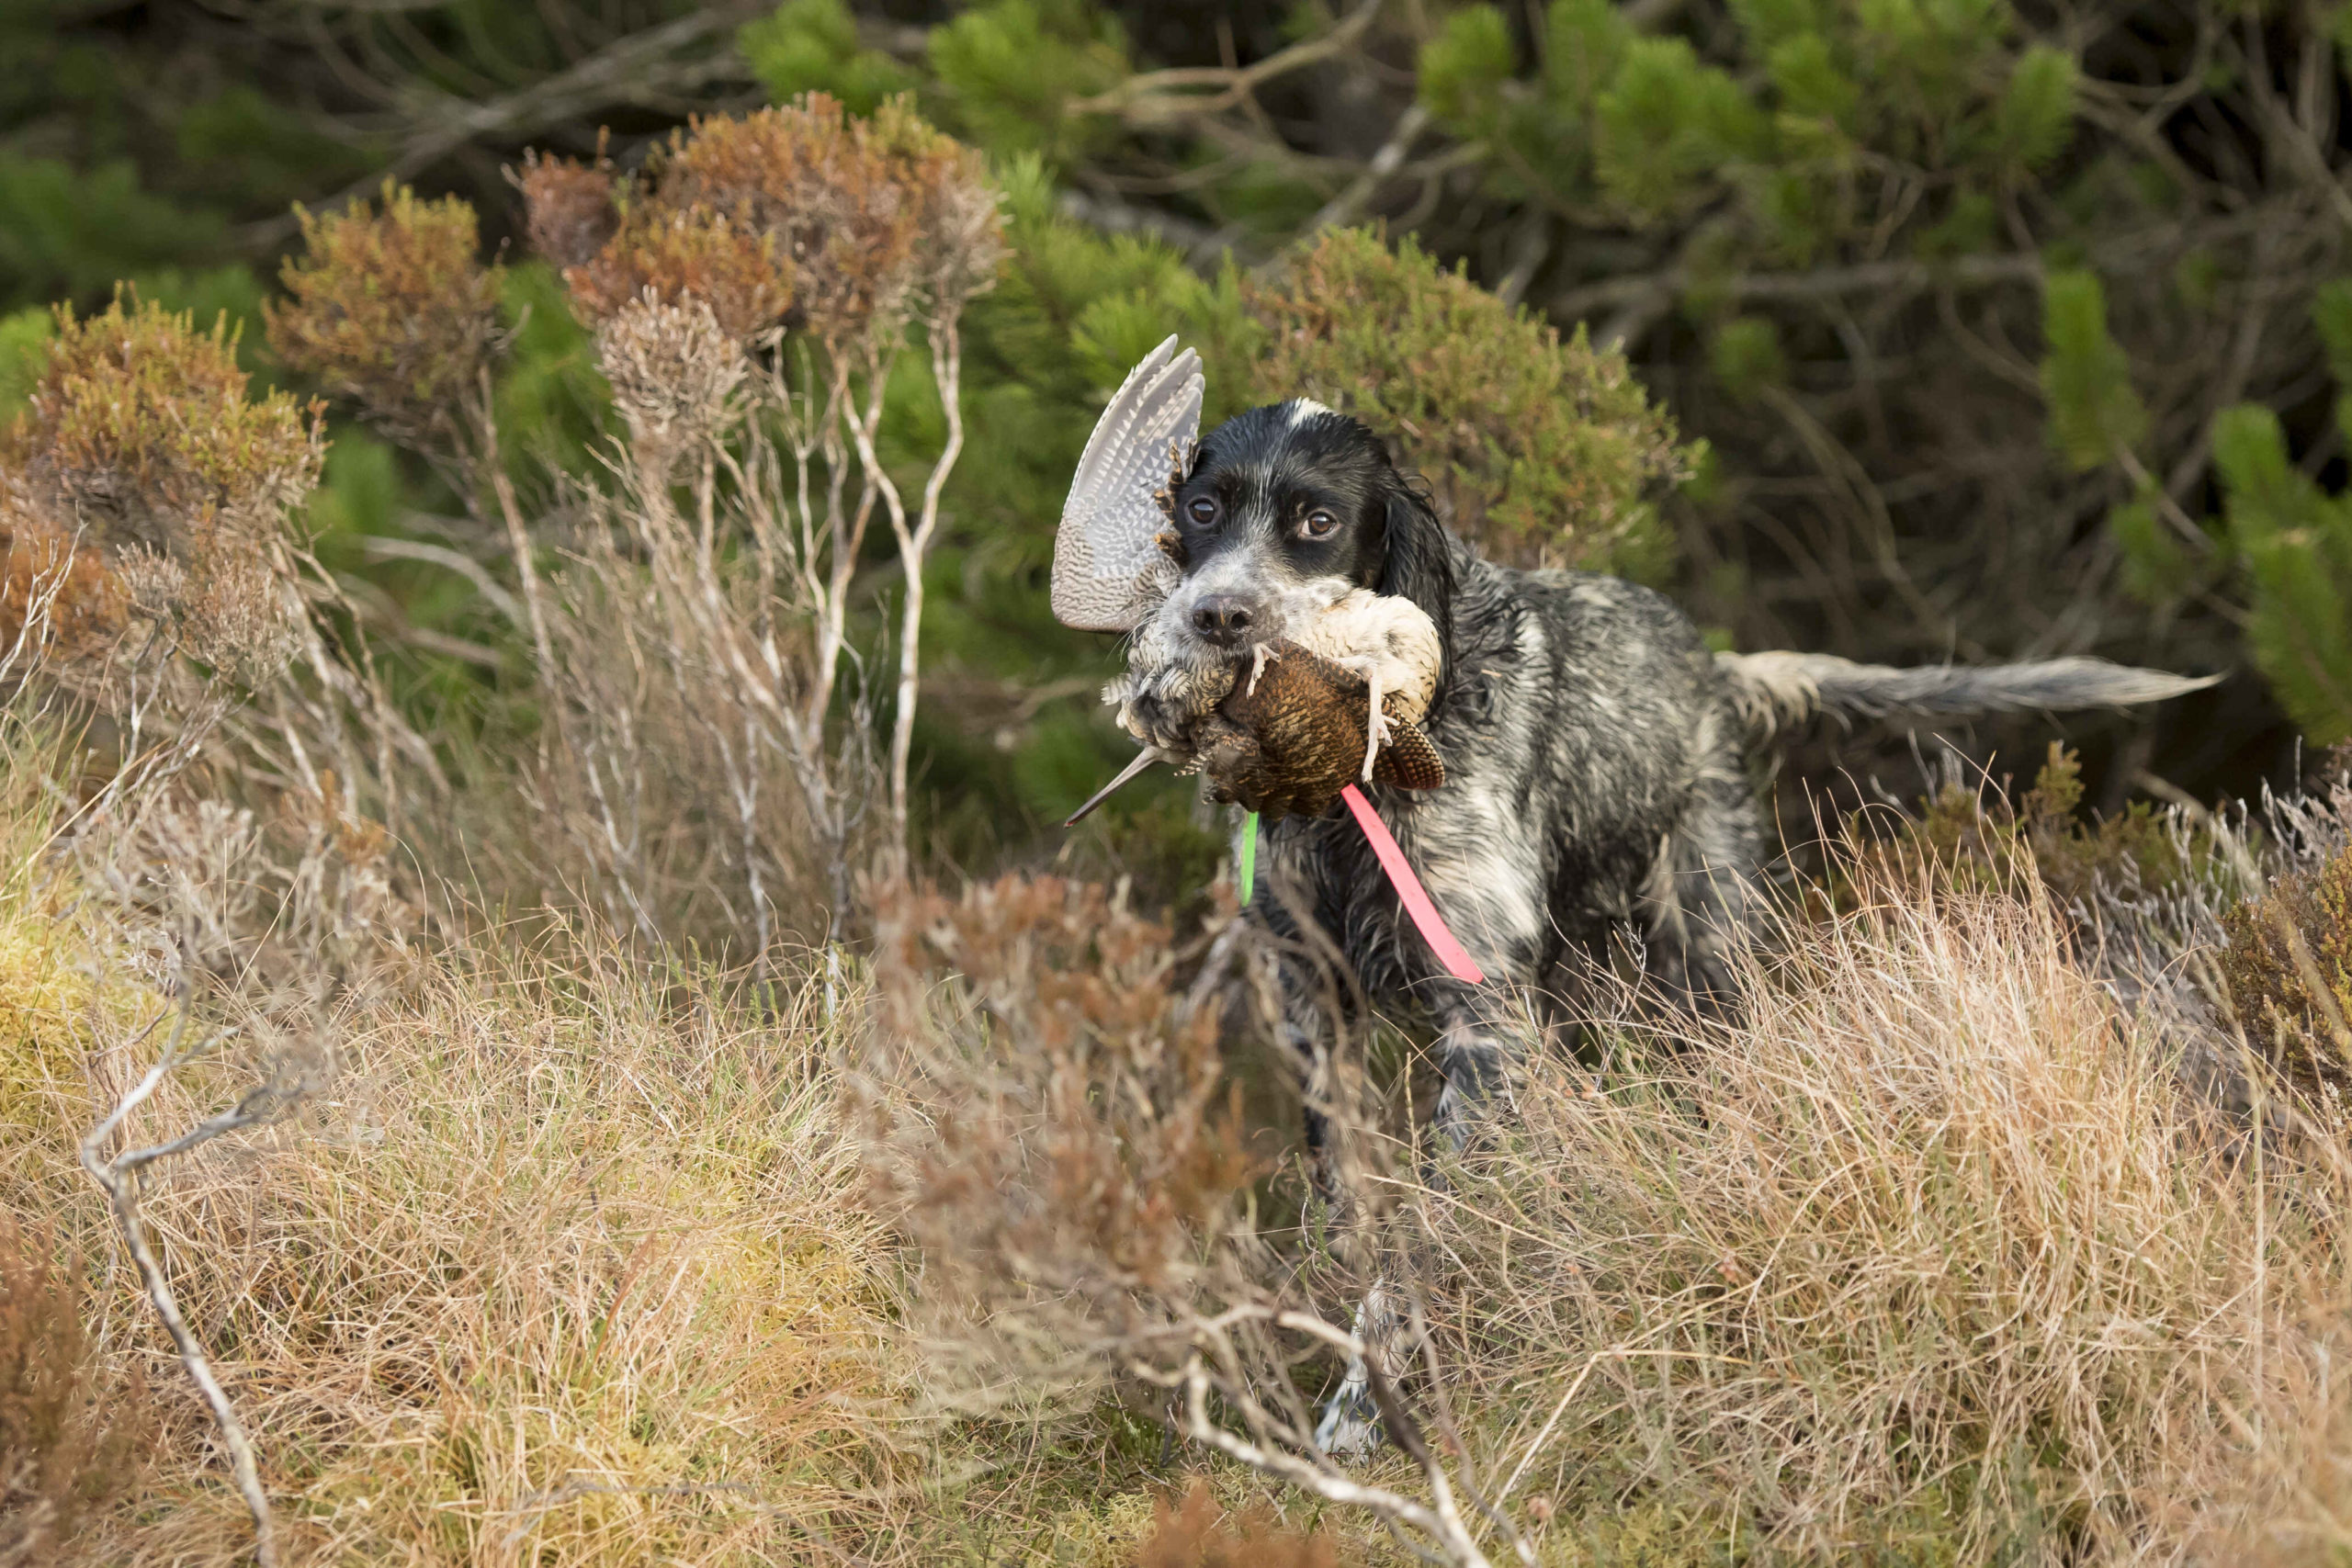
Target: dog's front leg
[
  {"x": 1480, "y": 1045},
  {"x": 1310, "y": 1037}
]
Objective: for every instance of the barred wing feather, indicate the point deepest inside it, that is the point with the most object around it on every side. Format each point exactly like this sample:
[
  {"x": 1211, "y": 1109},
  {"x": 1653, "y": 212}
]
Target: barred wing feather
[{"x": 1107, "y": 561}]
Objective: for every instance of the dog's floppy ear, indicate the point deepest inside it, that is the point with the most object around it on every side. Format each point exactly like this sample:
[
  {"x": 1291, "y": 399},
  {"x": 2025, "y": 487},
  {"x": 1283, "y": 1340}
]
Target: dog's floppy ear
[{"x": 1420, "y": 562}]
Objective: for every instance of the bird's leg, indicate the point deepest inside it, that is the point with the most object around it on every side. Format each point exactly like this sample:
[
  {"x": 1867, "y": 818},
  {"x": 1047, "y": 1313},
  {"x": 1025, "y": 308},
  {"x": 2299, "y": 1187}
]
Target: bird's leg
[
  {"x": 1261, "y": 655},
  {"x": 1376, "y": 722}
]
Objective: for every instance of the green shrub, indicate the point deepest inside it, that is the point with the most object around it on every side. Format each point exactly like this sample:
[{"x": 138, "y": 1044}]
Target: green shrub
[{"x": 1538, "y": 448}]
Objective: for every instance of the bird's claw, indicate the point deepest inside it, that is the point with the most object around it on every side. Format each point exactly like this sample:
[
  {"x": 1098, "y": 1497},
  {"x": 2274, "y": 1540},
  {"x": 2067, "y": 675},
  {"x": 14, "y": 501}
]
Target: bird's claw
[
  {"x": 1262, "y": 655},
  {"x": 1376, "y": 735}
]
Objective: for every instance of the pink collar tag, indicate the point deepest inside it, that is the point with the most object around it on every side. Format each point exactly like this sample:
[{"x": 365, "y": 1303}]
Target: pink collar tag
[{"x": 1415, "y": 898}]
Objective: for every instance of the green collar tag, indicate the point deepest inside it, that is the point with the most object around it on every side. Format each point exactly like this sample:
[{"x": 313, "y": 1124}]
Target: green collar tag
[{"x": 1249, "y": 854}]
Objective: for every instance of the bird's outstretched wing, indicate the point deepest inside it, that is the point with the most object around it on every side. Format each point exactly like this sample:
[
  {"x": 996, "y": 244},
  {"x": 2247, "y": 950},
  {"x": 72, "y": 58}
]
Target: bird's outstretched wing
[{"x": 1108, "y": 567}]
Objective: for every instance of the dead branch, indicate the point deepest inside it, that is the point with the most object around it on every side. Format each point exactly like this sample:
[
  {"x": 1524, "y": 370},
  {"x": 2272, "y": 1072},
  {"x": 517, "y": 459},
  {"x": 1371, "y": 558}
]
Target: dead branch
[{"x": 121, "y": 1178}]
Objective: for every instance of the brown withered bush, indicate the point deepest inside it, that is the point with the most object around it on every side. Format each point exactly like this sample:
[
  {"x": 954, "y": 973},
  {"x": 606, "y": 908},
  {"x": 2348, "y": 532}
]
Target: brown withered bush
[
  {"x": 392, "y": 307},
  {"x": 139, "y": 424},
  {"x": 1966, "y": 835},
  {"x": 743, "y": 279},
  {"x": 1047, "y": 1119},
  {"x": 73, "y": 1434},
  {"x": 59, "y": 599},
  {"x": 2270, "y": 982},
  {"x": 1197, "y": 1533},
  {"x": 568, "y": 210},
  {"x": 2286, "y": 956},
  {"x": 707, "y": 754},
  {"x": 1051, "y": 1107},
  {"x": 675, "y": 372},
  {"x": 157, "y": 595},
  {"x": 752, "y": 293},
  {"x": 799, "y": 216},
  {"x": 144, "y": 476}
]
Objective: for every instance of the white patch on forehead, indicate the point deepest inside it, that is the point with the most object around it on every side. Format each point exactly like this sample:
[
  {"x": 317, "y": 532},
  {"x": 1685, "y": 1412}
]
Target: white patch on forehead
[{"x": 1304, "y": 409}]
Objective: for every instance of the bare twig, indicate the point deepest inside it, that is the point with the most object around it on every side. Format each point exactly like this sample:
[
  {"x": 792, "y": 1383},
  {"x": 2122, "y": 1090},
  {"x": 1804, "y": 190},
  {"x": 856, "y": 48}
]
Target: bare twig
[{"x": 120, "y": 1179}]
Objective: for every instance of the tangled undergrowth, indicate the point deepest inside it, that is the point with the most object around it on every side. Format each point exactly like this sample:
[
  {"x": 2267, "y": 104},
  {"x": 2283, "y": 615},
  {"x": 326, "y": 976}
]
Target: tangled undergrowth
[
  {"x": 343, "y": 1219},
  {"x": 1933, "y": 1258}
]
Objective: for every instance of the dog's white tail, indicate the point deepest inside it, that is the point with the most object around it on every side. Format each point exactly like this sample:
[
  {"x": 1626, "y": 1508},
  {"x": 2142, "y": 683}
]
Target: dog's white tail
[{"x": 1777, "y": 691}]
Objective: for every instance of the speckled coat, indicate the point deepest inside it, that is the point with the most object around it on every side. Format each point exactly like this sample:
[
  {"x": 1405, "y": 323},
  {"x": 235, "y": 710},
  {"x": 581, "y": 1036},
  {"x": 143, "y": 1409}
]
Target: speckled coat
[
  {"x": 1596, "y": 787},
  {"x": 1596, "y": 753}
]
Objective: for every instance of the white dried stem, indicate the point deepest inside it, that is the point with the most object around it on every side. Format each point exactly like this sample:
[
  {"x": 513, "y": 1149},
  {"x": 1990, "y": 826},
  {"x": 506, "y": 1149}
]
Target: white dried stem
[
  {"x": 120, "y": 1179},
  {"x": 1442, "y": 1524}
]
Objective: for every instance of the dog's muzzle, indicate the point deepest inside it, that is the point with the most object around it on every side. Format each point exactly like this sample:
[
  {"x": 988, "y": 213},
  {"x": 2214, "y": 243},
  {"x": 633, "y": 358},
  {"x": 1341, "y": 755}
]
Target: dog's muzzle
[{"x": 1228, "y": 620}]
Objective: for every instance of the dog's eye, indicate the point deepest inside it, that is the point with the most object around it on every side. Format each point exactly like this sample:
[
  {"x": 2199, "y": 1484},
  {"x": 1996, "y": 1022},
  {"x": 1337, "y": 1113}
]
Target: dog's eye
[
  {"x": 1203, "y": 509},
  {"x": 1318, "y": 523}
]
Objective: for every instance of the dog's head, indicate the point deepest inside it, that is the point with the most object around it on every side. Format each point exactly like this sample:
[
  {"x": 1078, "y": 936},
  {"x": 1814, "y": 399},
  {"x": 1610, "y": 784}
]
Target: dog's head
[{"x": 1285, "y": 509}]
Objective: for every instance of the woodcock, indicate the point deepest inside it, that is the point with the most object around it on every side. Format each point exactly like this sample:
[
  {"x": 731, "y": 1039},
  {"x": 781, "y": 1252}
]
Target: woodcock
[
  {"x": 1284, "y": 728},
  {"x": 1336, "y": 691}
]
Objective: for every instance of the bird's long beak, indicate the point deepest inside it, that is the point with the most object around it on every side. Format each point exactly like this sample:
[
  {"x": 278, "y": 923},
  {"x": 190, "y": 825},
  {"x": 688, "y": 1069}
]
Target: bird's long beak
[{"x": 1150, "y": 755}]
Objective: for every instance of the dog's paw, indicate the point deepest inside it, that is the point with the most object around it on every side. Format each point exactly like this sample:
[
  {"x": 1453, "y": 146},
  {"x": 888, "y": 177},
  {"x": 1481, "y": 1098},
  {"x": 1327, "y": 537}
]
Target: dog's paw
[{"x": 1349, "y": 1428}]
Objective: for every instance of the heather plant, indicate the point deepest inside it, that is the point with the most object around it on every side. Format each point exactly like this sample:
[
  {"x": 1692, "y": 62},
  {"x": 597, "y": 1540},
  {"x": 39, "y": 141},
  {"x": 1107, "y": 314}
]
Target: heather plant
[
  {"x": 752, "y": 292},
  {"x": 1047, "y": 1117},
  {"x": 1973, "y": 836},
  {"x": 2285, "y": 952},
  {"x": 73, "y": 1429},
  {"x": 391, "y": 308},
  {"x": 139, "y": 424},
  {"x": 1195, "y": 1533},
  {"x": 148, "y": 501},
  {"x": 1541, "y": 451},
  {"x": 156, "y": 580},
  {"x": 2295, "y": 1002},
  {"x": 841, "y": 232}
]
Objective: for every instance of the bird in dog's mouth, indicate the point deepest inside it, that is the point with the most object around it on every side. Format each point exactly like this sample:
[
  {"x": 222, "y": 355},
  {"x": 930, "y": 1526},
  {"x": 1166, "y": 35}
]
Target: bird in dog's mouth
[{"x": 1282, "y": 696}]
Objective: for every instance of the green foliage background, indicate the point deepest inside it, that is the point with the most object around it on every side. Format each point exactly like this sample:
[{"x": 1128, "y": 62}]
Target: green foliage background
[{"x": 1993, "y": 331}]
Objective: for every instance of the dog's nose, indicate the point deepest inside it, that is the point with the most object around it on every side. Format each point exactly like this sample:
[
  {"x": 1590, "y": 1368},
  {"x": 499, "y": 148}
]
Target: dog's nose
[{"x": 1222, "y": 618}]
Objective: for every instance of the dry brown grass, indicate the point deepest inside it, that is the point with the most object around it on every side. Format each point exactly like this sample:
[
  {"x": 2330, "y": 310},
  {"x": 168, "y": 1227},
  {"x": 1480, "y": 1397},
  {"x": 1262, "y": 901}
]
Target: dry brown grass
[
  {"x": 564, "y": 1268},
  {"x": 73, "y": 1432},
  {"x": 1931, "y": 1258},
  {"x": 1932, "y": 1255}
]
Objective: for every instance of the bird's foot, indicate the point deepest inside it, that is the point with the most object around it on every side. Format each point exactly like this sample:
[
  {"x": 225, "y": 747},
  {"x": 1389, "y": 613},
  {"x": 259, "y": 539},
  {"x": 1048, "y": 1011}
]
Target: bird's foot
[
  {"x": 1376, "y": 732},
  {"x": 1376, "y": 735},
  {"x": 1262, "y": 655}
]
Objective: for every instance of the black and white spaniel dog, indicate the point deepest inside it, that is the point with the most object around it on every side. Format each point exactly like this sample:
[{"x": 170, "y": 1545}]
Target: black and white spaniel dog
[
  {"x": 1596, "y": 781},
  {"x": 1596, "y": 750}
]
